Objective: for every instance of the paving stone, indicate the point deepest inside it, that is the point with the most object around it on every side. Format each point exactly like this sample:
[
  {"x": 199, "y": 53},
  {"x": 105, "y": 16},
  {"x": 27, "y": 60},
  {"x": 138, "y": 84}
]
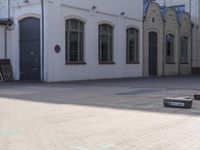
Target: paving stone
[{"x": 90, "y": 115}]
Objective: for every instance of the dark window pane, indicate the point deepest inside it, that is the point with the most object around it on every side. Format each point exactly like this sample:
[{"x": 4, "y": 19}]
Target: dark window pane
[
  {"x": 74, "y": 40},
  {"x": 81, "y": 27},
  {"x": 104, "y": 47},
  {"x": 110, "y": 29},
  {"x": 110, "y": 48},
  {"x": 132, "y": 45},
  {"x": 103, "y": 29},
  {"x": 184, "y": 50},
  {"x": 74, "y": 24},
  {"x": 105, "y": 43},
  {"x": 81, "y": 45},
  {"x": 169, "y": 48}
]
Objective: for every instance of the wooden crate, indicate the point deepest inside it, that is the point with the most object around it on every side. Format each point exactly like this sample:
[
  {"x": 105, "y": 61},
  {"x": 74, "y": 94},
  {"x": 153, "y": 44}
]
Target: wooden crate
[
  {"x": 7, "y": 73},
  {"x": 6, "y": 70},
  {"x": 1, "y": 78}
]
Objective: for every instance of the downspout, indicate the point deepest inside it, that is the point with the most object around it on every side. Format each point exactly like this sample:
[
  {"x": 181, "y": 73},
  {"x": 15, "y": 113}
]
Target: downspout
[
  {"x": 5, "y": 41},
  {"x": 143, "y": 48},
  {"x": 191, "y": 45},
  {"x": 179, "y": 50},
  {"x": 5, "y": 32},
  {"x": 163, "y": 47},
  {"x": 42, "y": 9}
]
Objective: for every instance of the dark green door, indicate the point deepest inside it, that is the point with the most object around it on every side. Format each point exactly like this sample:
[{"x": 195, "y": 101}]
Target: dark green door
[
  {"x": 30, "y": 49},
  {"x": 153, "y": 70}
]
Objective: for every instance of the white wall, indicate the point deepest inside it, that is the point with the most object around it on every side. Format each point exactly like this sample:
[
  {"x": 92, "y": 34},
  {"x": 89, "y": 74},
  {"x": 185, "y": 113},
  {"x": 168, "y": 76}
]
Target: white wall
[
  {"x": 55, "y": 13},
  {"x": 59, "y": 71},
  {"x": 132, "y": 8}
]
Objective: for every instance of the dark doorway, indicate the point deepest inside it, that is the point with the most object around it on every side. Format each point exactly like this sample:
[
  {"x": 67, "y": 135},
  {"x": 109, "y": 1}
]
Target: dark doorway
[
  {"x": 153, "y": 69},
  {"x": 30, "y": 49}
]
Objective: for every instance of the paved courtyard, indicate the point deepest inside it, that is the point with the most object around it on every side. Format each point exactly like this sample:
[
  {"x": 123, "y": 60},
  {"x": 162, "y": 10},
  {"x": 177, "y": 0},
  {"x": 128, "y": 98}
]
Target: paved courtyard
[{"x": 123, "y": 114}]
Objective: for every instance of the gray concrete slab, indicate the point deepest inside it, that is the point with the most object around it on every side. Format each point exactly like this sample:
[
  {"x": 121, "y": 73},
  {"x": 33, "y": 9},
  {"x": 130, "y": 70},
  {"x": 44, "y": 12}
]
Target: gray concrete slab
[{"x": 120, "y": 114}]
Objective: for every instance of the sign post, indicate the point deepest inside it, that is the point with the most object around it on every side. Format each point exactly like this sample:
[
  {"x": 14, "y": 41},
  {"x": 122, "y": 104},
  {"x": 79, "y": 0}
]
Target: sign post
[{"x": 4, "y": 8}]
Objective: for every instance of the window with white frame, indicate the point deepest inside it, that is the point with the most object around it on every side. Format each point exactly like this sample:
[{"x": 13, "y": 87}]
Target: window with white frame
[
  {"x": 132, "y": 46},
  {"x": 74, "y": 40},
  {"x": 170, "y": 49},
  {"x": 184, "y": 50},
  {"x": 105, "y": 44}
]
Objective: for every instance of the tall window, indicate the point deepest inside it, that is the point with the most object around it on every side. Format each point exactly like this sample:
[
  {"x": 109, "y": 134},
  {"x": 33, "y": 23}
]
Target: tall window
[
  {"x": 132, "y": 46},
  {"x": 184, "y": 50},
  {"x": 74, "y": 41},
  {"x": 169, "y": 49},
  {"x": 105, "y": 44}
]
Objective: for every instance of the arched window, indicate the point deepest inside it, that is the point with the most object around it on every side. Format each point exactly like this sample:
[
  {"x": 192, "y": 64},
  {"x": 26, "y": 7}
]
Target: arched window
[
  {"x": 74, "y": 40},
  {"x": 170, "y": 49},
  {"x": 105, "y": 44},
  {"x": 132, "y": 46},
  {"x": 184, "y": 49}
]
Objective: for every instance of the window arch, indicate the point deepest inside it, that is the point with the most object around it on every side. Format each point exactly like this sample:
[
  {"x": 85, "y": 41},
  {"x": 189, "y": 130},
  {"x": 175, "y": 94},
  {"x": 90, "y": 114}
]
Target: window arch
[
  {"x": 170, "y": 49},
  {"x": 74, "y": 41},
  {"x": 105, "y": 44},
  {"x": 184, "y": 49},
  {"x": 132, "y": 46}
]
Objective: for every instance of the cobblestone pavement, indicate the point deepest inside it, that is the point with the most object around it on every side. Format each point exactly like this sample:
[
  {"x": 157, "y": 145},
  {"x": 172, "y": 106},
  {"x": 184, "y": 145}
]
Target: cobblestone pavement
[{"x": 125, "y": 114}]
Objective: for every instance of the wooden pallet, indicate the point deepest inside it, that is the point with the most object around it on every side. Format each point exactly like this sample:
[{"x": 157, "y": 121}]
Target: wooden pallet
[
  {"x": 7, "y": 73},
  {"x": 1, "y": 78}
]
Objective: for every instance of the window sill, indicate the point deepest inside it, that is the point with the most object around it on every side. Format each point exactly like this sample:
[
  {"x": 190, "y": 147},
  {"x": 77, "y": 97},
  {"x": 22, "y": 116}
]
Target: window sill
[
  {"x": 185, "y": 63},
  {"x": 132, "y": 63},
  {"x": 75, "y": 63},
  {"x": 106, "y": 63},
  {"x": 170, "y": 63}
]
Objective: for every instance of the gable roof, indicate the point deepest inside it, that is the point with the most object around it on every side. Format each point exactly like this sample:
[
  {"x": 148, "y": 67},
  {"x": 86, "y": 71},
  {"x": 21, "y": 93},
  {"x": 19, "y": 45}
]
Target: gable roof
[{"x": 147, "y": 4}]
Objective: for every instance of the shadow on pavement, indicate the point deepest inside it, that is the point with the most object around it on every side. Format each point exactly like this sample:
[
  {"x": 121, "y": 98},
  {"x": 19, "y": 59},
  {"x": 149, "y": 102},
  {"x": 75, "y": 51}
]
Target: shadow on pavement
[{"x": 141, "y": 94}]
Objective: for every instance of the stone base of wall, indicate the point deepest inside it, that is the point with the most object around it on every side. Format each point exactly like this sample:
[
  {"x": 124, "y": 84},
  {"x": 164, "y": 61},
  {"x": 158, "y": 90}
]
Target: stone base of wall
[{"x": 196, "y": 70}]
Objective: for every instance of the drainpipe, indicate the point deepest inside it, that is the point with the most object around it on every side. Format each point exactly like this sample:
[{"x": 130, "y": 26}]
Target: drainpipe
[
  {"x": 5, "y": 41},
  {"x": 191, "y": 45},
  {"x": 42, "y": 10},
  {"x": 179, "y": 51},
  {"x": 163, "y": 48},
  {"x": 5, "y": 32}
]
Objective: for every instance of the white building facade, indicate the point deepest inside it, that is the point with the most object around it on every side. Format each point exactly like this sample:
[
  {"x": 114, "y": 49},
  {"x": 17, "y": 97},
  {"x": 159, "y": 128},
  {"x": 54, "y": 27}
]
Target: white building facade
[{"x": 83, "y": 40}]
